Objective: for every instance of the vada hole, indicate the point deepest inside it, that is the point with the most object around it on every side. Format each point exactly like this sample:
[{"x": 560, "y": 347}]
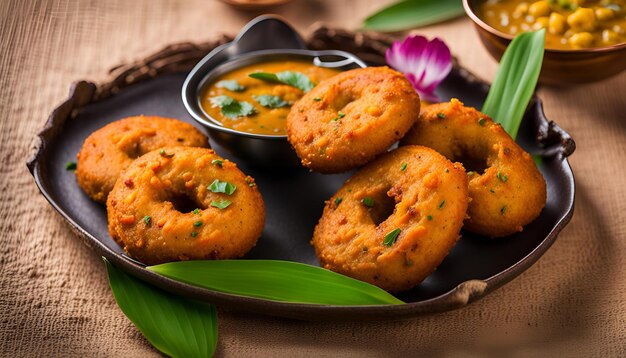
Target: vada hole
[
  {"x": 133, "y": 151},
  {"x": 184, "y": 203},
  {"x": 473, "y": 160},
  {"x": 383, "y": 207}
]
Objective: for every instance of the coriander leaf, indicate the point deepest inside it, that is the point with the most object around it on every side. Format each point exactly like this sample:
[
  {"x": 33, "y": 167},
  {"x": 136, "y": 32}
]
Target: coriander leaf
[
  {"x": 230, "y": 85},
  {"x": 291, "y": 78},
  {"x": 232, "y": 108},
  {"x": 270, "y": 101},
  {"x": 367, "y": 201},
  {"x": 221, "y": 204},
  {"x": 222, "y": 187},
  {"x": 238, "y": 109},
  {"x": 391, "y": 237},
  {"x": 221, "y": 101},
  {"x": 70, "y": 166},
  {"x": 174, "y": 325}
]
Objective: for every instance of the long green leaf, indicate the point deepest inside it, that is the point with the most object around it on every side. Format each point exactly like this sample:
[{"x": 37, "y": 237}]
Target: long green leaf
[
  {"x": 515, "y": 81},
  {"x": 176, "y": 326},
  {"x": 409, "y": 14},
  {"x": 276, "y": 280}
]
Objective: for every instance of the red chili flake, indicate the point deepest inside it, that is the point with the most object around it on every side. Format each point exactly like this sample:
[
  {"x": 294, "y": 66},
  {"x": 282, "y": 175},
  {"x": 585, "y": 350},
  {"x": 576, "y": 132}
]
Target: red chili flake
[{"x": 129, "y": 183}]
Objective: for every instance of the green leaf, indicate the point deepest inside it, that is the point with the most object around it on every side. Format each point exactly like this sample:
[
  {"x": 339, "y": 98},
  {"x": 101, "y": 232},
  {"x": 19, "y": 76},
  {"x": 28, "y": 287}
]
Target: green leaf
[
  {"x": 515, "y": 81},
  {"x": 232, "y": 108},
  {"x": 222, "y": 187},
  {"x": 391, "y": 237},
  {"x": 277, "y": 281},
  {"x": 175, "y": 326},
  {"x": 221, "y": 204},
  {"x": 410, "y": 14},
  {"x": 291, "y": 78},
  {"x": 221, "y": 101},
  {"x": 230, "y": 85},
  {"x": 270, "y": 101},
  {"x": 70, "y": 166}
]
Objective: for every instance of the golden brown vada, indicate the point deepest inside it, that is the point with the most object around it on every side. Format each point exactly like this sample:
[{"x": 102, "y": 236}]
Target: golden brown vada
[
  {"x": 181, "y": 203},
  {"x": 111, "y": 149},
  {"x": 348, "y": 119},
  {"x": 507, "y": 190},
  {"x": 393, "y": 222}
]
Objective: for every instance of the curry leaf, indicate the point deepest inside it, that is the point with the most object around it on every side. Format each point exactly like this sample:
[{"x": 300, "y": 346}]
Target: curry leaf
[
  {"x": 408, "y": 14},
  {"x": 276, "y": 280},
  {"x": 175, "y": 326},
  {"x": 291, "y": 78},
  {"x": 231, "y": 85},
  {"x": 232, "y": 108},
  {"x": 269, "y": 101},
  {"x": 515, "y": 80}
]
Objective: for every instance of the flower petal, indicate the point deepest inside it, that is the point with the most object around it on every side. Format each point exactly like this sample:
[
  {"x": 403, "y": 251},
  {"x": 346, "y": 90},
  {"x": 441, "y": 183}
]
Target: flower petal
[{"x": 424, "y": 63}]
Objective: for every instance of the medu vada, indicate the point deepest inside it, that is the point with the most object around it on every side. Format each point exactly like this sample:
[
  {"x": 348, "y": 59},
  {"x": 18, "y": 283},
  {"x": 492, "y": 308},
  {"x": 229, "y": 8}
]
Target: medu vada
[
  {"x": 110, "y": 149},
  {"x": 184, "y": 203},
  {"x": 348, "y": 119},
  {"x": 394, "y": 221},
  {"x": 507, "y": 190}
]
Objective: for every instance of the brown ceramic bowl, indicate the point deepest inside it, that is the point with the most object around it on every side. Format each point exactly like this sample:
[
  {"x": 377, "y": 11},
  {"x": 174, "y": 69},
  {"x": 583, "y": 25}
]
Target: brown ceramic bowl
[{"x": 560, "y": 67}]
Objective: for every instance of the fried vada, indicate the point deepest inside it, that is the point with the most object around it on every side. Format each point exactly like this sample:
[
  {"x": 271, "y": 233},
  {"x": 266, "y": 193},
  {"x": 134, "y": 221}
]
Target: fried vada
[
  {"x": 111, "y": 149},
  {"x": 184, "y": 203},
  {"x": 348, "y": 119},
  {"x": 507, "y": 190},
  {"x": 394, "y": 221}
]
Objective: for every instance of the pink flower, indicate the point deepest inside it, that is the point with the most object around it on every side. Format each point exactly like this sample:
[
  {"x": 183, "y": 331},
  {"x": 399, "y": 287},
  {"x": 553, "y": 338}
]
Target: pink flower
[{"x": 424, "y": 63}]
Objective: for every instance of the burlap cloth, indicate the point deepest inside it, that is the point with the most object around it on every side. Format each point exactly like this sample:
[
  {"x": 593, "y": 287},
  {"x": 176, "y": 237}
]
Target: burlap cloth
[{"x": 54, "y": 298}]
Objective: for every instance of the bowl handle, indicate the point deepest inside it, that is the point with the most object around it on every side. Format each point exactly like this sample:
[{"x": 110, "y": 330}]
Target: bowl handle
[{"x": 267, "y": 32}]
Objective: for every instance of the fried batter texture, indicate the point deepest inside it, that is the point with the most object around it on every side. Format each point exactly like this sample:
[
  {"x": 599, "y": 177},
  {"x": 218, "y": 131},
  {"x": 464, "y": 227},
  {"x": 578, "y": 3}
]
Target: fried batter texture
[
  {"x": 181, "y": 203},
  {"x": 111, "y": 149},
  {"x": 348, "y": 119},
  {"x": 507, "y": 190},
  {"x": 393, "y": 222}
]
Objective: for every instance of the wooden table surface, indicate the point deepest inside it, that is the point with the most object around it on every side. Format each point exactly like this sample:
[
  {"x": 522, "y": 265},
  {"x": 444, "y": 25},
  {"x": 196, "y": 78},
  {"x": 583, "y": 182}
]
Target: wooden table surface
[{"x": 54, "y": 297}]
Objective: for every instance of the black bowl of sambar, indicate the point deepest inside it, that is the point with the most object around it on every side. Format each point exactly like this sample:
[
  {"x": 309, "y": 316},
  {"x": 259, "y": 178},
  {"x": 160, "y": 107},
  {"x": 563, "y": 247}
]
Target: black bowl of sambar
[{"x": 242, "y": 94}]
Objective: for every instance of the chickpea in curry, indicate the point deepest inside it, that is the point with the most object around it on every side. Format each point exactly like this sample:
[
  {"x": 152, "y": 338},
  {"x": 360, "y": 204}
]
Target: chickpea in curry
[{"x": 569, "y": 24}]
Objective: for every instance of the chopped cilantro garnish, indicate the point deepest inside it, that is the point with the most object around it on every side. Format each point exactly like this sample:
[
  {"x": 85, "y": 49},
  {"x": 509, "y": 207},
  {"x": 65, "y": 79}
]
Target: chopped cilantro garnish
[
  {"x": 403, "y": 167},
  {"x": 441, "y": 115},
  {"x": 291, "y": 78},
  {"x": 147, "y": 219},
  {"x": 230, "y": 85},
  {"x": 367, "y": 201},
  {"x": 391, "y": 237},
  {"x": 222, "y": 187},
  {"x": 70, "y": 166},
  {"x": 217, "y": 162},
  {"x": 270, "y": 101},
  {"x": 221, "y": 204},
  {"x": 232, "y": 108},
  {"x": 442, "y": 204}
]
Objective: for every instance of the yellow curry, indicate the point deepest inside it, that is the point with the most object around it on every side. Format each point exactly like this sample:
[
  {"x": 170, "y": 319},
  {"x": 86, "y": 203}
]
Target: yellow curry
[
  {"x": 260, "y": 105},
  {"x": 569, "y": 24}
]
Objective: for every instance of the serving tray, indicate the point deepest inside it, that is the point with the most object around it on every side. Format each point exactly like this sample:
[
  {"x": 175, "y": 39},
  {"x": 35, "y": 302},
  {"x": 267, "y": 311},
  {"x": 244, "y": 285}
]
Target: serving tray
[{"x": 295, "y": 197}]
